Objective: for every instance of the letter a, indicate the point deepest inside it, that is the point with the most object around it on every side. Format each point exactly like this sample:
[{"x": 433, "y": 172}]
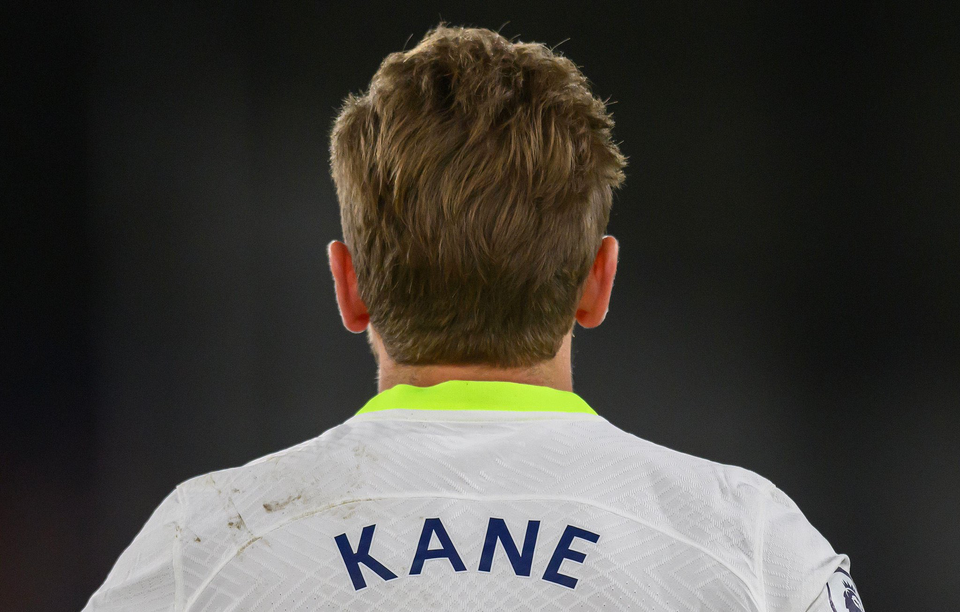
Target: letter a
[{"x": 447, "y": 550}]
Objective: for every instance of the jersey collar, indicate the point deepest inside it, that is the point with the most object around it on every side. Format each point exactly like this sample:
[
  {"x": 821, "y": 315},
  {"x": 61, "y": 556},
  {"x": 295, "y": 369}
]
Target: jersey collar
[{"x": 456, "y": 395}]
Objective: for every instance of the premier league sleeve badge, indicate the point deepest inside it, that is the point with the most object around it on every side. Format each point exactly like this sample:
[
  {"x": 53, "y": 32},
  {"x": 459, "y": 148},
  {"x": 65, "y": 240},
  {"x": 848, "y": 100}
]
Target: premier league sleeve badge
[{"x": 842, "y": 593}]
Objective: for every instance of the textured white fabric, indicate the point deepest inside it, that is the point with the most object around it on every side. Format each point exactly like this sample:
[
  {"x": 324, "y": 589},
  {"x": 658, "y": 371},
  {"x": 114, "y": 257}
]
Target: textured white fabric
[
  {"x": 674, "y": 532},
  {"x": 822, "y": 602},
  {"x": 838, "y": 600}
]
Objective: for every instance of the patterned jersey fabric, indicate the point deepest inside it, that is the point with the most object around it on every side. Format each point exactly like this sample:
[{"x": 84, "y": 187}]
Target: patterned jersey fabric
[{"x": 477, "y": 496}]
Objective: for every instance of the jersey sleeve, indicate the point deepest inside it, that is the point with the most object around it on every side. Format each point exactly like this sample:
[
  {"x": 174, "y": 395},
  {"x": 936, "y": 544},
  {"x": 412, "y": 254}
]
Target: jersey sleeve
[
  {"x": 796, "y": 561},
  {"x": 145, "y": 577},
  {"x": 822, "y": 602}
]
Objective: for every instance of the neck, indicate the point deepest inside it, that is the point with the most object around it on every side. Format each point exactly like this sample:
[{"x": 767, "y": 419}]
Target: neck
[{"x": 555, "y": 373}]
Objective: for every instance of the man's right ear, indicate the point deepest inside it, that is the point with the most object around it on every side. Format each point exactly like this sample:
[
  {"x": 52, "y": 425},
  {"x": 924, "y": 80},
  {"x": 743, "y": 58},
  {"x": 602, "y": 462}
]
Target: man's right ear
[{"x": 352, "y": 309}]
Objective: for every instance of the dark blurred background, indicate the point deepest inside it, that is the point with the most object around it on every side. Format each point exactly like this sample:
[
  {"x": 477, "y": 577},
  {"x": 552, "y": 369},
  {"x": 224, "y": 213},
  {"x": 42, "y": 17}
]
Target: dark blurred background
[{"x": 788, "y": 297}]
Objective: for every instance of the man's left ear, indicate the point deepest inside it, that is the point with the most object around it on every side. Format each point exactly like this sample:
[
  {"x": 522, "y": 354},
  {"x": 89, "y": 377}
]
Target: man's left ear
[
  {"x": 353, "y": 311},
  {"x": 595, "y": 301}
]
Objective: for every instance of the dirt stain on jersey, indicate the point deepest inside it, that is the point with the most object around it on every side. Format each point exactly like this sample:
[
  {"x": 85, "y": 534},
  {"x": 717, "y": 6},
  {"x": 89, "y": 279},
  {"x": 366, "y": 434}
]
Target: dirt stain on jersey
[
  {"x": 236, "y": 523},
  {"x": 362, "y": 454},
  {"x": 280, "y": 505},
  {"x": 244, "y": 547}
]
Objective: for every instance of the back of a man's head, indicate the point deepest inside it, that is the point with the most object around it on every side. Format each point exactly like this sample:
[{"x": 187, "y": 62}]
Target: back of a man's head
[{"x": 475, "y": 181}]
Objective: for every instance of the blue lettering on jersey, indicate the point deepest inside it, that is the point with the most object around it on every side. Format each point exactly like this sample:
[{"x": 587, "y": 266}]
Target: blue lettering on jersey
[
  {"x": 563, "y": 551},
  {"x": 353, "y": 559},
  {"x": 521, "y": 562},
  {"x": 497, "y": 530},
  {"x": 446, "y": 551}
]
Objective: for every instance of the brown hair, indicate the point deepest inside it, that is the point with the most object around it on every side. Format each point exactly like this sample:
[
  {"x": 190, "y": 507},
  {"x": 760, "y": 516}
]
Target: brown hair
[{"x": 475, "y": 181}]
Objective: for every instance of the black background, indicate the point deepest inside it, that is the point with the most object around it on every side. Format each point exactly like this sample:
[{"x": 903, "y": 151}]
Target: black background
[{"x": 787, "y": 298}]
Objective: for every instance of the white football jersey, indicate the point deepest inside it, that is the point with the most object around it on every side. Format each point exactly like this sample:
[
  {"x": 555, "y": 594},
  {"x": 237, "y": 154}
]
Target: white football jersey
[{"x": 478, "y": 496}]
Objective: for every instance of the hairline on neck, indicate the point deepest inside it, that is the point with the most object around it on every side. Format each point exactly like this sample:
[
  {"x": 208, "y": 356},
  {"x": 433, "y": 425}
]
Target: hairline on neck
[{"x": 555, "y": 373}]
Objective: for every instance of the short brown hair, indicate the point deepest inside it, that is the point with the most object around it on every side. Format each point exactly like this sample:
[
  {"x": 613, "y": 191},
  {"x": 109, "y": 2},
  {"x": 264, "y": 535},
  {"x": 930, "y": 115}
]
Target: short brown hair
[{"x": 475, "y": 181}]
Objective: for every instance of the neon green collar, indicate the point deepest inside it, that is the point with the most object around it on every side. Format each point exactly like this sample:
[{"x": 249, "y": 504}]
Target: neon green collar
[{"x": 477, "y": 395}]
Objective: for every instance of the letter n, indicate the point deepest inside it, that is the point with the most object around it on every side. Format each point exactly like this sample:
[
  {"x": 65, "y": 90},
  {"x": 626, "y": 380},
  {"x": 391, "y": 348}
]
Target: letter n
[{"x": 521, "y": 562}]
